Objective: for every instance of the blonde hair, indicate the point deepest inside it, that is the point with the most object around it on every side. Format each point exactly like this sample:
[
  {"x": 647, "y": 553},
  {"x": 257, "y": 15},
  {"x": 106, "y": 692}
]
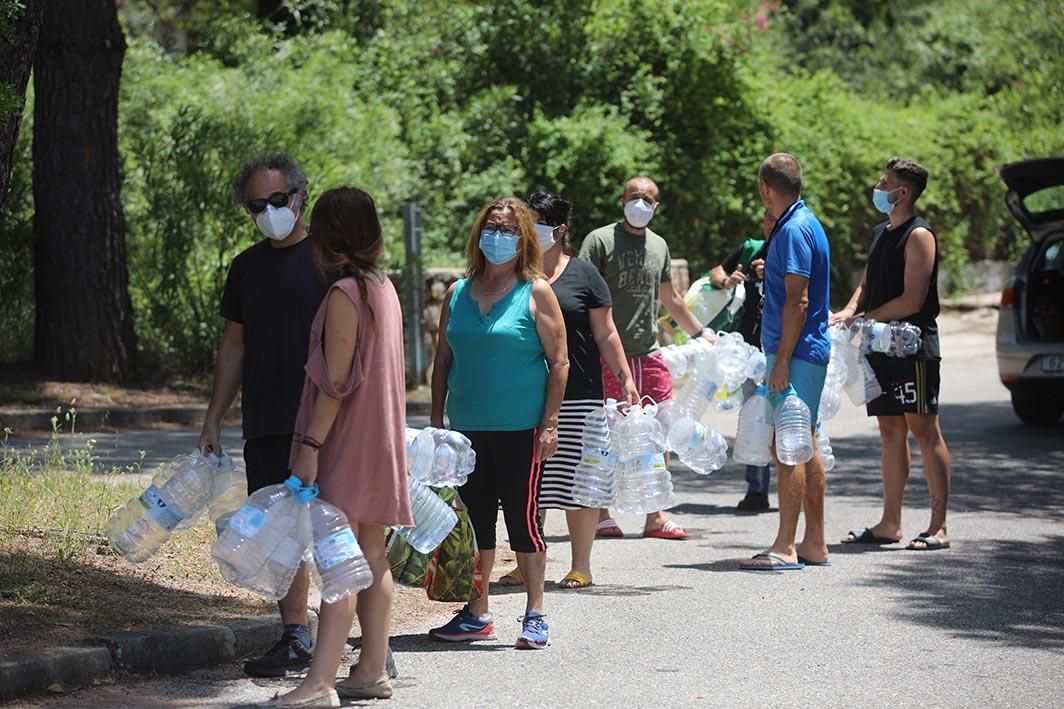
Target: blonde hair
[{"x": 529, "y": 262}]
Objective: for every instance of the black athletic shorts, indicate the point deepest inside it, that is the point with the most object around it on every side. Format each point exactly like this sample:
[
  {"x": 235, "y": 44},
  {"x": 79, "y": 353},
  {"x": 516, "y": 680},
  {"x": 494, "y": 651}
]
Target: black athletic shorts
[
  {"x": 910, "y": 386},
  {"x": 266, "y": 460},
  {"x": 506, "y": 471}
]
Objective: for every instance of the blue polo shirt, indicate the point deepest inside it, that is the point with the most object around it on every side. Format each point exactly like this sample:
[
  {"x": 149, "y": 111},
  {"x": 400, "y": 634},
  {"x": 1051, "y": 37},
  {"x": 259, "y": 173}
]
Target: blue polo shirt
[{"x": 799, "y": 246}]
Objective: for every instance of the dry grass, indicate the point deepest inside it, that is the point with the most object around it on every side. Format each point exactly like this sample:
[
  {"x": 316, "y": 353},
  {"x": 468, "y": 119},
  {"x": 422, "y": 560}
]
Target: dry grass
[{"x": 20, "y": 387}]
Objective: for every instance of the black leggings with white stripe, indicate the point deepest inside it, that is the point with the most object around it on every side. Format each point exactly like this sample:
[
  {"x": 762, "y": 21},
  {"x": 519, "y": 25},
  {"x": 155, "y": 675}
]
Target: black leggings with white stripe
[{"x": 506, "y": 471}]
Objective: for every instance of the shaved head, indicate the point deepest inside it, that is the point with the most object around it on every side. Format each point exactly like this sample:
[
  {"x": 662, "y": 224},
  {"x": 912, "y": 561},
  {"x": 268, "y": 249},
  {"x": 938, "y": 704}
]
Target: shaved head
[{"x": 641, "y": 186}]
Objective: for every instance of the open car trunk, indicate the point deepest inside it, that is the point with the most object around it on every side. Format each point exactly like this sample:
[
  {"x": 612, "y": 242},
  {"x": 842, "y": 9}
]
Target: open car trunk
[{"x": 1045, "y": 292}]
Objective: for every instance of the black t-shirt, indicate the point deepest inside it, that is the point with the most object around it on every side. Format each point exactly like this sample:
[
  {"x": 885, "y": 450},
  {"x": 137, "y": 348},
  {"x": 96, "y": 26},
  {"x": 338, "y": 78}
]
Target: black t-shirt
[
  {"x": 750, "y": 317},
  {"x": 885, "y": 281},
  {"x": 580, "y": 289},
  {"x": 274, "y": 293}
]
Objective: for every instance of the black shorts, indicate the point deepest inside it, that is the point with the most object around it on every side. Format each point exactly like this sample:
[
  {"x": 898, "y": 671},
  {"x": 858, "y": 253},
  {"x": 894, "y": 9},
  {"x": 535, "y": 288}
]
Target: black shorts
[
  {"x": 910, "y": 386},
  {"x": 266, "y": 460},
  {"x": 506, "y": 471}
]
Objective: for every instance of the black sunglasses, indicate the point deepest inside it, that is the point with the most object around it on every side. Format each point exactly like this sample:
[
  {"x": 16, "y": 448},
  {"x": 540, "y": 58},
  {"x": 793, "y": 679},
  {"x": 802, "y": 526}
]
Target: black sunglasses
[{"x": 275, "y": 200}]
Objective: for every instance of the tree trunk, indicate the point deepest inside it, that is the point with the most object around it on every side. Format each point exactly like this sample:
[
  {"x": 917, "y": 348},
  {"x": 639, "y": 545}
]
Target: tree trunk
[
  {"x": 16, "y": 59},
  {"x": 84, "y": 323}
]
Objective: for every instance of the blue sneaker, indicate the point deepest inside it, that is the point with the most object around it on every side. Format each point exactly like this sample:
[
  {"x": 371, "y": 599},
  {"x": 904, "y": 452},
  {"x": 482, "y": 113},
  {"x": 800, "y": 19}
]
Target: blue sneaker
[
  {"x": 465, "y": 626},
  {"x": 535, "y": 634}
]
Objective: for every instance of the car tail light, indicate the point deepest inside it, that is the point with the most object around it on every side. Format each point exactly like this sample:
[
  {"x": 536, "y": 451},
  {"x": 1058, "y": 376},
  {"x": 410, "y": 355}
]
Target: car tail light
[
  {"x": 1008, "y": 297},
  {"x": 1009, "y": 378}
]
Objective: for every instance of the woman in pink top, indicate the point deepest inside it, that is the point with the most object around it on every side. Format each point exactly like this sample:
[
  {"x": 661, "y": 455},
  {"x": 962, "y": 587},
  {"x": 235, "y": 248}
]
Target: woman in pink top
[{"x": 350, "y": 434}]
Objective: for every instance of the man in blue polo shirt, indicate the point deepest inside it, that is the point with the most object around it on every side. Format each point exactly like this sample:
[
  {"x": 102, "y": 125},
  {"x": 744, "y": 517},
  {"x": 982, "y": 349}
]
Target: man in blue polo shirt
[{"x": 794, "y": 335}]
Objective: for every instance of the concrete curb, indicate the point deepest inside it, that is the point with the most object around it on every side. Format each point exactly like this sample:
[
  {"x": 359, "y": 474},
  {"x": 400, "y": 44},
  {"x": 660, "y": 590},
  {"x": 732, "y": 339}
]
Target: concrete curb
[
  {"x": 164, "y": 651},
  {"x": 97, "y": 419}
]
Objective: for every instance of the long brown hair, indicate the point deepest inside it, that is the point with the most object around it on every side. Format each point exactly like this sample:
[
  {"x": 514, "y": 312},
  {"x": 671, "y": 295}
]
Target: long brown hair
[
  {"x": 529, "y": 263},
  {"x": 346, "y": 237}
]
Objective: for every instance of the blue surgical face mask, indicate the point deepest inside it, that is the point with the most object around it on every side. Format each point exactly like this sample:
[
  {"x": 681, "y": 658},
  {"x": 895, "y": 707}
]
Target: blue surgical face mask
[
  {"x": 881, "y": 199},
  {"x": 497, "y": 247}
]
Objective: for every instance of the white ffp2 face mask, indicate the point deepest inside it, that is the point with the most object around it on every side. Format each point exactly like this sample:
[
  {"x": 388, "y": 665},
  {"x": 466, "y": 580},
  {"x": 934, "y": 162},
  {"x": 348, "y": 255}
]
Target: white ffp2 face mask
[
  {"x": 638, "y": 212},
  {"x": 276, "y": 222}
]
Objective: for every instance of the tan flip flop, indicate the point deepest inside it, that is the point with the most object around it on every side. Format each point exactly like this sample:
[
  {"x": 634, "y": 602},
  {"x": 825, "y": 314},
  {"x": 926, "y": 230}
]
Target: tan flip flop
[
  {"x": 513, "y": 578},
  {"x": 575, "y": 579}
]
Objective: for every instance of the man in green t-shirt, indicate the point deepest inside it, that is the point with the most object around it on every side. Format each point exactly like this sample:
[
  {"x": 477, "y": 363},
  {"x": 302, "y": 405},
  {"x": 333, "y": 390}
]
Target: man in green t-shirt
[
  {"x": 747, "y": 265},
  {"x": 638, "y": 270}
]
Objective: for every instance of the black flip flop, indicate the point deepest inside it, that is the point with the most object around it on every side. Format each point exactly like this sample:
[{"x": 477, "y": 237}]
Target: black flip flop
[
  {"x": 931, "y": 543},
  {"x": 867, "y": 537}
]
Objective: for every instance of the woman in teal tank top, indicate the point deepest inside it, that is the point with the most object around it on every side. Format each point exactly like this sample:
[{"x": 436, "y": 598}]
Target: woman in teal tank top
[{"x": 500, "y": 372}]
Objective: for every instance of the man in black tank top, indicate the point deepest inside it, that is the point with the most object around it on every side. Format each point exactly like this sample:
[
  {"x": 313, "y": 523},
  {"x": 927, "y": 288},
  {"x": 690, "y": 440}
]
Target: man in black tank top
[{"x": 900, "y": 283}]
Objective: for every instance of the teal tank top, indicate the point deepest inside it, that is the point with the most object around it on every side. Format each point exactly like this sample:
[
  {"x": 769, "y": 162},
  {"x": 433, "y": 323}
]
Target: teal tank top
[{"x": 498, "y": 377}]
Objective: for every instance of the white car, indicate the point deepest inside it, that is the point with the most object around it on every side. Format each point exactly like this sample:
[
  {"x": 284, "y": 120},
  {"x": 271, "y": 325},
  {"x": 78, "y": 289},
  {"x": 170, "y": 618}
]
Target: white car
[{"x": 1030, "y": 331}]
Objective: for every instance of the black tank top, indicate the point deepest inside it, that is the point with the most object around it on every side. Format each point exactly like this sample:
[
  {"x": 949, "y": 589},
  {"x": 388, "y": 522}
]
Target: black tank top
[{"x": 885, "y": 280}]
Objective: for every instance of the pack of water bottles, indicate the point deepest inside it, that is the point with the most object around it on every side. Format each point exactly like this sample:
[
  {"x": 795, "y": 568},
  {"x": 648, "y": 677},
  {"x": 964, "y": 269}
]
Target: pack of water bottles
[
  {"x": 274, "y": 530},
  {"x": 180, "y": 492},
  {"x": 439, "y": 457},
  {"x": 848, "y": 370},
  {"x": 433, "y": 518},
  {"x": 894, "y": 339},
  {"x": 644, "y": 484}
]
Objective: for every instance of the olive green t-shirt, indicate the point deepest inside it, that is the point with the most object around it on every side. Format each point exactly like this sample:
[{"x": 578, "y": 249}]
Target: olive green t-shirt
[{"x": 634, "y": 268}]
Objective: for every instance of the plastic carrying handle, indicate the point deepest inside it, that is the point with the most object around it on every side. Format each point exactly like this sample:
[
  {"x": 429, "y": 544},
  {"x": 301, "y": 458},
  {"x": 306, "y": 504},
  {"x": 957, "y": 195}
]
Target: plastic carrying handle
[
  {"x": 775, "y": 398},
  {"x": 303, "y": 493}
]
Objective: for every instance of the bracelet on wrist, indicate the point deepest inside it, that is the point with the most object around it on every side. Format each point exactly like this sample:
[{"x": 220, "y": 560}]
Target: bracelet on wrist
[{"x": 310, "y": 442}]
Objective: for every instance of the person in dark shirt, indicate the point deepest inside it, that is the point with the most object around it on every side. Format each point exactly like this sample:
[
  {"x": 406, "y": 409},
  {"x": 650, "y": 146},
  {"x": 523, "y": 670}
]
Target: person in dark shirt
[
  {"x": 271, "y": 295},
  {"x": 900, "y": 282},
  {"x": 747, "y": 265}
]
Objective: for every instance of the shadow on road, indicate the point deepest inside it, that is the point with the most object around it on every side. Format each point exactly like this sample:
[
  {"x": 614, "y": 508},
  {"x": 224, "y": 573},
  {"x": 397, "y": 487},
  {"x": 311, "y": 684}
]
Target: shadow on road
[
  {"x": 999, "y": 464},
  {"x": 1004, "y": 591}
]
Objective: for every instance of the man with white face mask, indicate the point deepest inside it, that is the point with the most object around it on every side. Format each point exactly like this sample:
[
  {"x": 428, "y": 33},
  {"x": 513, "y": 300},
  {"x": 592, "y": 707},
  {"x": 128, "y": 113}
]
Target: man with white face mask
[
  {"x": 271, "y": 295},
  {"x": 638, "y": 270}
]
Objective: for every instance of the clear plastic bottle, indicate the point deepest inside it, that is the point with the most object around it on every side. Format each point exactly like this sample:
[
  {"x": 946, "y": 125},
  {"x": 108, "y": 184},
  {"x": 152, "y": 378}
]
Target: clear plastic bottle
[
  {"x": 645, "y": 484},
  {"x": 732, "y": 360},
  {"x": 794, "y": 432},
  {"x": 675, "y": 361},
  {"x": 265, "y": 540},
  {"x": 863, "y": 386},
  {"x": 829, "y": 401},
  {"x": 179, "y": 491},
  {"x": 342, "y": 568},
  {"x": 230, "y": 489},
  {"x": 699, "y": 447},
  {"x": 433, "y": 518},
  {"x": 895, "y": 339},
  {"x": 420, "y": 450},
  {"x": 823, "y": 444},
  {"x": 595, "y": 478},
  {"x": 753, "y": 437}
]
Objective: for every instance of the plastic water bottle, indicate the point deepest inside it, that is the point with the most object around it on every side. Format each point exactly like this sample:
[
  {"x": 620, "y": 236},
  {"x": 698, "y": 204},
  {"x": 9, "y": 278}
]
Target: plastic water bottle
[
  {"x": 732, "y": 360},
  {"x": 433, "y": 518},
  {"x": 756, "y": 365},
  {"x": 823, "y": 444},
  {"x": 675, "y": 361},
  {"x": 829, "y": 401},
  {"x": 453, "y": 459},
  {"x": 794, "y": 432},
  {"x": 230, "y": 489},
  {"x": 864, "y": 386},
  {"x": 264, "y": 542},
  {"x": 180, "y": 490},
  {"x": 753, "y": 437},
  {"x": 895, "y": 339},
  {"x": 701, "y": 385},
  {"x": 699, "y": 447},
  {"x": 595, "y": 478},
  {"x": 420, "y": 449},
  {"x": 645, "y": 484},
  {"x": 342, "y": 568}
]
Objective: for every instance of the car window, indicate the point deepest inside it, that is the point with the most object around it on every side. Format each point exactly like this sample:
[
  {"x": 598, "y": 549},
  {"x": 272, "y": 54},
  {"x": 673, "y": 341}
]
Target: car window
[
  {"x": 1051, "y": 199},
  {"x": 1052, "y": 258}
]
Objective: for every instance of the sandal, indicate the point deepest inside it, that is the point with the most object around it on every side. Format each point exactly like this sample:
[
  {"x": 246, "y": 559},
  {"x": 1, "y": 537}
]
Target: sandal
[
  {"x": 669, "y": 530},
  {"x": 608, "y": 529},
  {"x": 513, "y": 578},
  {"x": 574, "y": 579}
]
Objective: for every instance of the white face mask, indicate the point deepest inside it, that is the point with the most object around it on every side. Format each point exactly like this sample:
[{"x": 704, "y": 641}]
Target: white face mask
[
  {"x": 545, "y": 233},
  {"x": 638, "y": 212},
  {"x": 276, "y": 223}
]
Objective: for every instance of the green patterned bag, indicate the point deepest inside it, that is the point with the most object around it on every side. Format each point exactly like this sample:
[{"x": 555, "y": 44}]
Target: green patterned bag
[{"x": 453, "y": 574}]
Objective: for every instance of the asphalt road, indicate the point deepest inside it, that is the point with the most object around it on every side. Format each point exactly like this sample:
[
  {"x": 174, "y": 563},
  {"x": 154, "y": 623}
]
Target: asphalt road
[{"x": 676, "y": 624}]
